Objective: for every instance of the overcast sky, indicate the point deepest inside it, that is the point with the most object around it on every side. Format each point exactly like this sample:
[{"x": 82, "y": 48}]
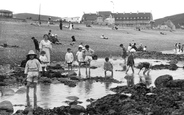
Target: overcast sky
[{"x": 72, "y": 8}]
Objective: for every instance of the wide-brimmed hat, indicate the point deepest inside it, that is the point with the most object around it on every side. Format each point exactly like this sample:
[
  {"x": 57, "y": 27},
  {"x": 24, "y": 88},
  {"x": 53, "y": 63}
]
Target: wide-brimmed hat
[{"x": 31, "y": 52}]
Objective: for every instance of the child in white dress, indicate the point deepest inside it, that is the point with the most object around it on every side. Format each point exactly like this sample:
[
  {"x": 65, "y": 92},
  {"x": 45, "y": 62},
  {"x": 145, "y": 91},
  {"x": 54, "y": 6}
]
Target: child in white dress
[
  {"x": 44, "y": 61},
  {"x": 80, "y": 57}
]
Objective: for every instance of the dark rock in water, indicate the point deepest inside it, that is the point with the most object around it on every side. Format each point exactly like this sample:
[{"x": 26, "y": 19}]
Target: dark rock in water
[
  {"x": 57, "y": 66},
  {"x": 72, "y": 97},
  {"x": 77, "y": 108},
  {"x": 6, "y": 106},
  {"x": 161, "y": 81},
  {"x": 3, "y": 84},
  {"x": 102, "y": 79},
  {"x": 21, "y": 90},
  {"x": 175, "y": 84},
  {"x": 45, "y": 80},
  {"x": 93, "y": 67},
  {"x": 165, "y": 66},
  {"x": 2, "y": 77},
  {"x": 178, "y": 112}
]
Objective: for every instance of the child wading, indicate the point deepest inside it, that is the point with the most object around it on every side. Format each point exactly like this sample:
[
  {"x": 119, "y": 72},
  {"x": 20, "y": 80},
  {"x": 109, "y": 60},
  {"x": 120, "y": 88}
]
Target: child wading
[
  {"x": 145, "y": 65},
  {"x": 32, "y": 70},
  {"x": 44, "y": 62},
  {"x": 69, "y": 58},
  {"x": 123, "y": 55},
  {"x": 108, "y": 67},
  {"x": 88, "y": 53},
  {"x": 130, "y": 61},
  {"x": 80, "y": 57}
]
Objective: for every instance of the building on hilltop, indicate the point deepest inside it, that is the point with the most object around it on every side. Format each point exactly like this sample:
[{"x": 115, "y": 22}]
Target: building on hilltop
[
  {"x": 131, "y": 19},
  {"x": 121, "y": 19},
  {"x": 6, "y": 14}
]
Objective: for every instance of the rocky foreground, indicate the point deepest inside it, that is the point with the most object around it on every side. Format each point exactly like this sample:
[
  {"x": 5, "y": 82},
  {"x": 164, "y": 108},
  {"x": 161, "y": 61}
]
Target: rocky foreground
[{"x": 167, "y": 98}]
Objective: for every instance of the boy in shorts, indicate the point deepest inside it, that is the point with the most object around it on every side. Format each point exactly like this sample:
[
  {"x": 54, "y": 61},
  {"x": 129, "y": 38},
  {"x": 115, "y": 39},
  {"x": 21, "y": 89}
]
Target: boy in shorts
[
  {"x": 80, "y": 57},
  {"x": 69, "y": 58},
  {"x": 108, "y": 67}
]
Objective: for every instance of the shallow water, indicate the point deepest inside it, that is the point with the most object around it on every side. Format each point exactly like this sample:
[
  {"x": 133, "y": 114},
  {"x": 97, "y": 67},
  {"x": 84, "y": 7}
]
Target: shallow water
[{"x": 54, "y": 95}]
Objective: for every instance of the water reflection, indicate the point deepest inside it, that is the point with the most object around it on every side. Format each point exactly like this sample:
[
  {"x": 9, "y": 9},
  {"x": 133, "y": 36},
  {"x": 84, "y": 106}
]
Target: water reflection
[
  {"x": 146, "y": 79},
  {"x": 130, "y": 79},
  {"x": 88, "y": 86},
  {"x": 107, "y": 85},
  {"x": 45, "y": 94}
]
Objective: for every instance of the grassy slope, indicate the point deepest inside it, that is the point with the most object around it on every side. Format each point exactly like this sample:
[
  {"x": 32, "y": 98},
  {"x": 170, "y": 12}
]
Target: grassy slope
[
  {"x": 20, "y": 34},
  {"x": 176, "y": 19}
]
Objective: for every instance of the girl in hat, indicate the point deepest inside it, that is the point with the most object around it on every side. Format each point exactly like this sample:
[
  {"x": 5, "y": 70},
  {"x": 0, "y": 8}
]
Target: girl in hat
[{"x": 32, "y": 70}]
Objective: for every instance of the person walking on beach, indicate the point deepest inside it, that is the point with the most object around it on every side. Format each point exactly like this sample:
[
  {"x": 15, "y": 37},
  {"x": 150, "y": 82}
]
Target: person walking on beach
[
  {"x": 145, "y": 65},
  {"x": 32, "y": 71},
  {"x": 45, "y": 45},
  {"x": 130, "y": 62},
  {"x": 80, "y": 57},
  {"x": 108, "y": 67},
  {"x": 36, "y": 43},
  {"x": 123, "y": 55},
  {"x": 69, "y": 58},
  {"x": 88, "y": 53}
]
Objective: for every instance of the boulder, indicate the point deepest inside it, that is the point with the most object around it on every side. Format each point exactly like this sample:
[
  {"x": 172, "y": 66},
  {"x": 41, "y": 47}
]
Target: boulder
[
  {"x": 161, "y": 81},
  {"x": 7, "y": 92},
  {"x": 21, "y": 90},
  {"x": 78, "y": 108},
  {"x": 178, "y": 83},
  {"x": 6, "y": 106}
]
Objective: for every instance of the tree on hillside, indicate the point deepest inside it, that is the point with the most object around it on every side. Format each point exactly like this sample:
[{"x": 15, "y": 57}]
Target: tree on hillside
[{"x": 170, "y": 25}]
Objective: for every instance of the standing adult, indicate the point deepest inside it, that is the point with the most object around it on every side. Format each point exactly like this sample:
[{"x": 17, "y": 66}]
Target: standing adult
[
  {"x": 35, "y": 41},
  {"x": 61, "y": 24},
  {"x": 45, "y": 45},
  {"x": 123, "y": 55}
]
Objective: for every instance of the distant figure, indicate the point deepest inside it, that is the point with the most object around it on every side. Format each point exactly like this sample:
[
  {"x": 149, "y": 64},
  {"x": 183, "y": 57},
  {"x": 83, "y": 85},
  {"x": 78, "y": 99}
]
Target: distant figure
[
  {"x": 103, "y": 37},
  {"x": 73, "y": 40},
  {"x": 46, "y": 45},
  {"x": 130, "y": 61},
  {"x": 134, "y": 47},
  {"x": 49, "y": 19},
  {"x": 123, "y": 55},
  {"x": 129, "y": 47},
  {"x": 140, "y": 48},
  {"x": 37, "y": 49},
  {"x": 145, "y": 65},
  {"x": 108, "y": 67},
  {"x": 69, "y": 58},
  {"x": 145, "y": 48},
  {"x": 80, "y": 57},
  {"x": 61, "y": 24},
  {"x": 32, "y": 70},
  {"x": 70, "y": 26},
  {"x": 88, "y": 53}
]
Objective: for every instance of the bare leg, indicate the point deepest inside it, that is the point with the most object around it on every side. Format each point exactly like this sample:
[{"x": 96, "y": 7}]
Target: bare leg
[
  {"x": 89, "y": 70},
  {"x": 112, "y": 74},
  {"x": 79, "y": 69},
  {"x": 27, "y": 96},
  {"x": 145, "y": 71},
  {"x": 127, "y": 69},
  {"x": 105, "y": 72},
  {"x": 86, "y": 71},
  {"x": 132, "y": 69},
  {"x": 35, "y": 97}
]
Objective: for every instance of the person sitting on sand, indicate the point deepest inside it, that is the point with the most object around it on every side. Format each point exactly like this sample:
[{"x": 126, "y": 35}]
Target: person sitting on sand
[
  {"x": 103, "y": 37},
  {"x": 80, "y": 57},
  {"x": 145, "y": 65},
  {"x": 69, "y": 58},
  {"x": 88, "y": 53},
  {"x": 108, "y": 67},
  {"x": 32, "y": 71},
  {"x": 145, "y": 48},
  {"x": 130, "y": 61}
]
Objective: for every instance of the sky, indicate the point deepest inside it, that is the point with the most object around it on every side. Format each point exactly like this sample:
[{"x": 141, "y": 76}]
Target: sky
[{"x": 73, "y": 8}]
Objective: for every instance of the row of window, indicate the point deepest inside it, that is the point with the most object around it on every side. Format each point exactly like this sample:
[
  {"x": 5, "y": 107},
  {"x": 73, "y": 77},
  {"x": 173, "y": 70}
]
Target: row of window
[
  {"x": 6, "y": 14},
  {"x": 133, "y": 18}
]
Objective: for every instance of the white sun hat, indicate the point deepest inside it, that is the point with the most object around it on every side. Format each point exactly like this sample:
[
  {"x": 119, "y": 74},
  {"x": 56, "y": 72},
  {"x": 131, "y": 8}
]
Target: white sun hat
[{"x": 31, "y": 52}]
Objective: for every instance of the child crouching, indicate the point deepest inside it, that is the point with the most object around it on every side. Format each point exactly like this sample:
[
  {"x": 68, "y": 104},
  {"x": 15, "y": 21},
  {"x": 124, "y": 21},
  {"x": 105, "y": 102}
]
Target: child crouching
[{"x": 108, "y": 67}]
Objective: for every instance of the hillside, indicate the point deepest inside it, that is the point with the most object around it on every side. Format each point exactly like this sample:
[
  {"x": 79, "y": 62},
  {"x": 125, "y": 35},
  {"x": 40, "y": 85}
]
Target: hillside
[
  {"x": 176, "y": 19},
  {"x": 34, "y": 16}
]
